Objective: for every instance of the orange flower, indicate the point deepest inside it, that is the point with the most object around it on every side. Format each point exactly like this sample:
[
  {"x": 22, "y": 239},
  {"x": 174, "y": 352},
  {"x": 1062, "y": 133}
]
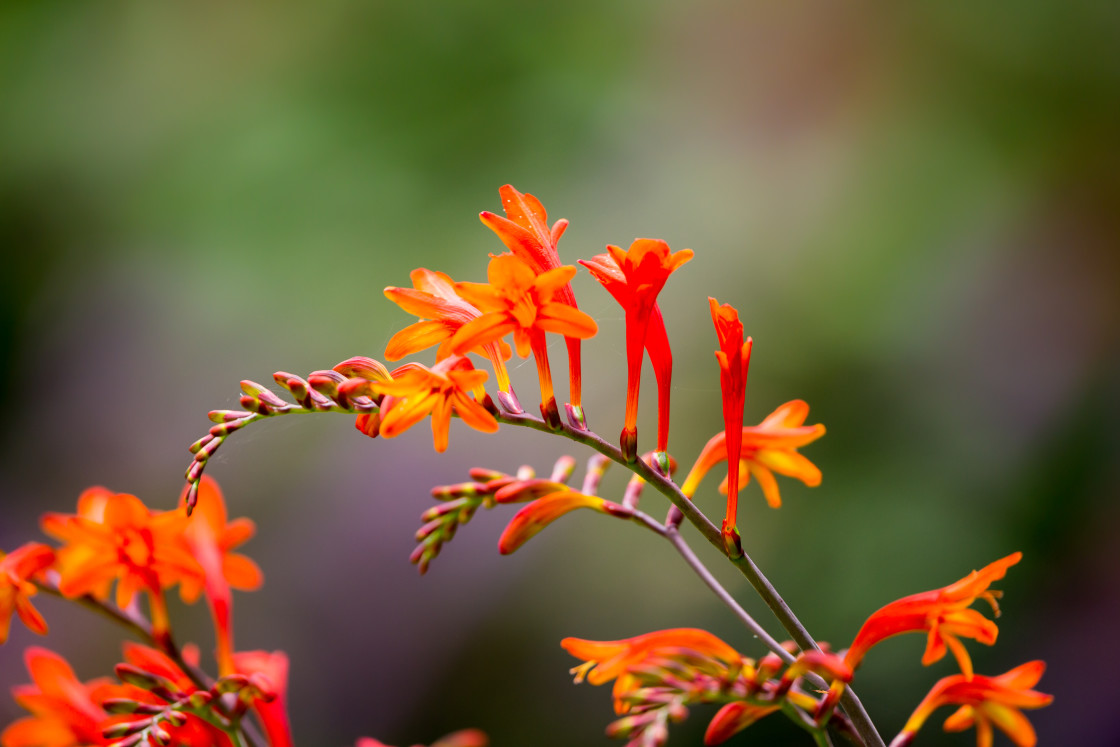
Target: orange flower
[
  {"x": 16, "y": 589},
  {"x": 734, "y": 717},
  {"x": 984, "y": 702},
  {"x": 273, "y": 712},
  {"x": 443, "y": 312},
  {"x": 769, "y": 447},
  {"x": 64, "y": 711},
  {"x": 618, "y": 660},
  {"x": 114, "y": 537},
  {"x": 531, "y": 519},
  {"x": 525, "y": 232},
  {"x": 634, "y": 278},
  {"x": 517, "y": 300},
  {"x": 417, "y": 390},
  {"x": 944, "y": 614},
  {"x": 734, "y": 357},
  {"x": 211, "y": 539}
]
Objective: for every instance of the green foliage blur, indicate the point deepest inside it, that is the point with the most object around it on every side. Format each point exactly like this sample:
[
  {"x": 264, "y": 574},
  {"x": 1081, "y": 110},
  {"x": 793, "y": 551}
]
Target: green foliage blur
[{"x": 914, "y": 206}]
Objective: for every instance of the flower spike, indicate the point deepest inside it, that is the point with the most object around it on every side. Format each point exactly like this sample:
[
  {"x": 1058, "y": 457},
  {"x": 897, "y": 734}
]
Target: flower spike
[
  {"x": 984, "y": 702},
  {"x": 525, "y": 232},
  {"x": 734, "y": 357},
  {"x": 634, "y": 278},
  {"x": 517, "y": 300}
]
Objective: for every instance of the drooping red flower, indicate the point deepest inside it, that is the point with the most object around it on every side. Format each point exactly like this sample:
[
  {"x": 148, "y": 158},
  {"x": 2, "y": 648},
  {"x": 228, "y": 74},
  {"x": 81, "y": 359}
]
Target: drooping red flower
[
  {"x": 534, "y": 517},
  {"x": 442, "y": 312},
  {"x": 943, "y": 614},
  {"x": 17, "y": 568},
  {"x": 416, "y": 391},
  {"x": 634, "y": 278},
  {"x": 525, "y": 232},
  {"x": 519, "y": 301},
  {"x": 212, "y": 538},
  {"x": 273, "y": 711},
  {"x": 766, "y": 448},
  {"x": 734, "y": 357},
  {"x": 984, "y": 702}
]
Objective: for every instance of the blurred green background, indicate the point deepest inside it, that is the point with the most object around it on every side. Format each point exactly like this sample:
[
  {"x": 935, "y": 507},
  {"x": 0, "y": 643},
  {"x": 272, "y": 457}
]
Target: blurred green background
[{"x": 914, "y": 207}]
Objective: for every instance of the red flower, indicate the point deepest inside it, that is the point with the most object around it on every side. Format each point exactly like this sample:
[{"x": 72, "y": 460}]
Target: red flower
[
  {"x": 64, "y": 711},
  {"x": 734, "y": 357},
  {"x": 769, "y": 447},
  {"x": 944, "y": 614},
  {"x": 273, "y": 711},
  {"x": 984, "y": 702},
  {"x": 517, "y": 300},
  {"x": 16, "y": 589},
  {"x": 525, "y": 232},
  {"x": 417, "y": 391},
  {"x": 531, "y": 519},
  {"x": 634, "y": 278},
  {"x": 443, "y": 312},
  {"x": 212, "y": 539}
]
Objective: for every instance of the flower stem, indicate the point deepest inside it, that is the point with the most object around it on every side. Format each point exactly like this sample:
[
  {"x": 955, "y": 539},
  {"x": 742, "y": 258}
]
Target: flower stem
[{"x": 664, "y": 485}]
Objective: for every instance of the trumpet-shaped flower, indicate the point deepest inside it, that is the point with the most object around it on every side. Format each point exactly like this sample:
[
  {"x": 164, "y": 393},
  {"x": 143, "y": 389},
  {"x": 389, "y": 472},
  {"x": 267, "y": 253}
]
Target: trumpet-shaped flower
[
  {"x": 984, "y": 702},
  {"x": 945, "y": 615},
  {"x": 16, "y": 589},
  {"x": 525, "y": 232},
  {"x": 115, "y": 537},
  {"x": 618, "y": 660},
  {"x": 734, "y": 357},
  {"x": 432, "y": 297},
  {"x": 64, "y": 711},
  {"x": 734, "y": 717},
  {"x": 766, "y": 448},
  {"x": 417, "y": 391},
  {"x": 212, "y": 538},
  {"x": 273, "y": 711},
  {"x": 534, "y": 517},
  {"x": 519, "y": 301},
  {"x": 634, "y": 278}
]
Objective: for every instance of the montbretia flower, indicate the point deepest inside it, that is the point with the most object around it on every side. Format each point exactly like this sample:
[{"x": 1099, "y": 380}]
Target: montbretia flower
[
  {"x": 64, "y": 711},
  {"x": 416, "y": 391},
  {"x": 272, "y": 710},
  {"x": 534, "y": 517},
  {"x": 115, "y": 537},
  {"x": 17, "y": 569},
  {"x": 984, "y": 702},
  {"x": 766, "y": 448},
  {"x": 519, "y": 301},
  {"x": 442, "y": 311},
  {"x": 734, "y": 717},
  {"x": 618, "y": 660},
  {"x": 212, "y": 538},
  {"x": 525, "y": 232},
  {"x": 634, "y": 278},
  {"x": 734, "y": 357},
  {"x": 943, "y": 614}
]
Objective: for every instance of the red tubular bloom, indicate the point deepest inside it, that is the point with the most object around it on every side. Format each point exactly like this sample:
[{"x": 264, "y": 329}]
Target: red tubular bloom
[
  {"x": 769, "y": 447},
  {"x": 525, "y": 232},
  {"x": 211, "y": 539},
  {"x": 442, "y": 312},
  {"x": 616, "y": 660},
  {"x": 517, "y": 300},
  {"x": 984, "y": 702},
  {"x": 531, "y": 519},
  {"x": 734, "y": 357},
  {"x": 16, "y": 589},
  {"x": 733, "y": 718},
  {"x": 943, "y": 614},
  {"x": 634, "y": 278},
  {"x": 273, "y": 712},
  {"x": 417, "y": 390}
]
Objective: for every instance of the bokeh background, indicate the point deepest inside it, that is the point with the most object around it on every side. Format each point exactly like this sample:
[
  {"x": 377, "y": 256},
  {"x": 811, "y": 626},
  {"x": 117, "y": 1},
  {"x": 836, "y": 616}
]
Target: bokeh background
[{"x": 914, "y": 206}]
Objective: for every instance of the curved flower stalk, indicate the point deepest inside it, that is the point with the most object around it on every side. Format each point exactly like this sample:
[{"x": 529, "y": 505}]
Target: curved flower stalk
[
  {"x": 527, "y": 304},
  {"x": 17, "y": 569},
  {"x": 525, "y": 232},
  {"x": 634, "y": 278},
  {"x": 766, "y": 448},
  {"x": 658, "y": 675},
  {"x": 984, "y": 702},
  {"x": 416, "y": 391},
  {"x": 442, "y": 312}
]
